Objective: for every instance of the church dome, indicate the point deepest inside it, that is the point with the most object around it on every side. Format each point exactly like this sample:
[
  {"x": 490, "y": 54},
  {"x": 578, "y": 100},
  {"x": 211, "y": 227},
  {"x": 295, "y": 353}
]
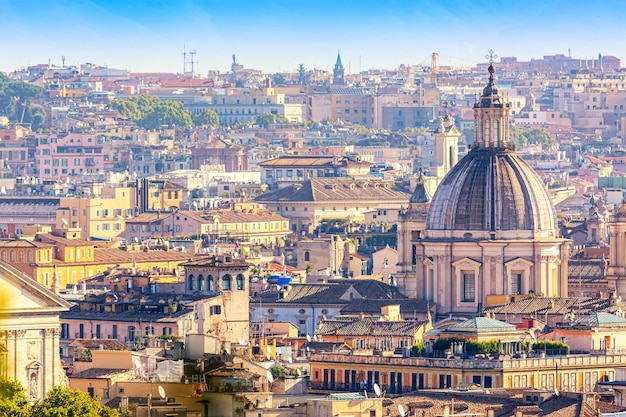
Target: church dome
[{"x": 491, "y": 188}]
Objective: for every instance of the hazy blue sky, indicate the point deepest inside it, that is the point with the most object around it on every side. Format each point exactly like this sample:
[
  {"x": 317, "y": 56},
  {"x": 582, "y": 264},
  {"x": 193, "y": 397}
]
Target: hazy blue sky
[{"x": 276, "y": 36}]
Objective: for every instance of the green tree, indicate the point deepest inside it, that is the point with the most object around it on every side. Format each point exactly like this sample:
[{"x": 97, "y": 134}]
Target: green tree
[
  {"x": 304, "y": 76},
  {"x": 206, "y": 118},
  {"x": 418, "y": 350},
  {"x": 279, "y": 79},
  {"x": 469, "y": 135},
  {"x": 169, "y": 113},
  {"x": 64, "y": 402},
  {"x": 517, "y": 137},
  {"x": 541, "y": 136},
  {"x": 264, "y": 120},
  {"x": 13, "y": 400}
]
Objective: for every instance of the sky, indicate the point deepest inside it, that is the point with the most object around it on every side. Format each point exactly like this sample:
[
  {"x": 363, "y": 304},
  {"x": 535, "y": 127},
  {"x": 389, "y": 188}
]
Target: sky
[{"x": 277, "y": 36}]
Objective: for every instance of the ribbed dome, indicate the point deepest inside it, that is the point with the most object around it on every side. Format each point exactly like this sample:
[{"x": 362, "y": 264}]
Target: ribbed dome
[{"x": 491, "y": 189}]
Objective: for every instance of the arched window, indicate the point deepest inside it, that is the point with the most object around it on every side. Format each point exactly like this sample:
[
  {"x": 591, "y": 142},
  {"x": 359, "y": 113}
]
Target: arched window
[
  {"x": 226, "y": 282},
  {"x": 20, "y": 256},
  {"x": 307, "y": 256},
  {"x": 190, "y": 283},
  {"x": 210, "y": 285},
  {"x": 239, "y": 282},
  {"x": 201, "y": 282}
]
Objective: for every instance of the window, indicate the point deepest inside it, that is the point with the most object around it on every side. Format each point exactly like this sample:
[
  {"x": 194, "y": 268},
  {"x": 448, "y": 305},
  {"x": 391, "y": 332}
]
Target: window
[
  {"x": 131, "y": 333},
  {"x": 190, "y": 283},
  {"x": 469, "y": 287},
  {"x": 307, "y": 256},
  {"x": 239, "y": 282},
  {"x": 226, "y": 282},
  {"x": 516, "y": 283},
  {"x": 214, "y": 310},
  {"x": 65, "y": 331},
  {"x": 201, "y": 282},
  {"x": 114, "y": 335}
]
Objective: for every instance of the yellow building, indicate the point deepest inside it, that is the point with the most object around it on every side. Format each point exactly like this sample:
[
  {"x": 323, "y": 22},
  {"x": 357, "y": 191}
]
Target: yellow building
[
  {"x": 100, "y": 217},
  {"x": 399, "y": 374},
  {"x": 62, "y": 258}
]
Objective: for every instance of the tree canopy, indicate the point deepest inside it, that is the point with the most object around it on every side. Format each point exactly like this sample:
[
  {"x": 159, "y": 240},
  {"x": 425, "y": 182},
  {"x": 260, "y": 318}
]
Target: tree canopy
[
  {"x": 151, "y": 112},
  {"x": 264, "y": 120},
  {"x": 58, "y": 402},
  {"x": 207, "y": 118},
  {"x": 61, "y": 402},
  {"x": 16, "y": 102},
  {"x": 537, "y": 136}
]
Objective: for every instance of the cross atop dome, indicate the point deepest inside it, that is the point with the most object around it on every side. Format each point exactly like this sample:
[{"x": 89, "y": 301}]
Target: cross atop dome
[{"x": 491, "y": 56}]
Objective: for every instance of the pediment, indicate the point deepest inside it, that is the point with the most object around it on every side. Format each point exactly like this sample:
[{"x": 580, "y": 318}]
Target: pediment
[
  {"x": 20, "y": 293},
  {"x": 466, "y": 263},
  {"x": 518, "y": 263}
]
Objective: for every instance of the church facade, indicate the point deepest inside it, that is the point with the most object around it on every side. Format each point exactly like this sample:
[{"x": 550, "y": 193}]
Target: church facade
[
  {"x": 490, "y": 229},
  {"x": 29, "y": 333}
]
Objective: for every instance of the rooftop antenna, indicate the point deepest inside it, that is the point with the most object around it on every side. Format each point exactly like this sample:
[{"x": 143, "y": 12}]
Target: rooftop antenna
[
  {"x": 192, "y": 54},
  {"x": 184, "y": 53}
]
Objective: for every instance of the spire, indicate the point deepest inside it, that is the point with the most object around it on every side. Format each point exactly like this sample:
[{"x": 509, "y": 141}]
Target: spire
[
  {"x": 420, "y": 195},
  {"x": 338, "y": 64}
]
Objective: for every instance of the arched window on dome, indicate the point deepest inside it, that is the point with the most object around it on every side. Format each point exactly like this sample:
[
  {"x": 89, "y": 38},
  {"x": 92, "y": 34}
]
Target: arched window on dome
[{"x": 190, "y": 282}]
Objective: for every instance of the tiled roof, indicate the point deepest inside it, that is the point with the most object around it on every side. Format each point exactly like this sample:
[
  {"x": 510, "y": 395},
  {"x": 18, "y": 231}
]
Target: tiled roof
[
  {"x": 339, "y": 189},
  {"x": 601, "y": 320},
  {"x": 591, "y": 269},
  {"x": 481, "y": 324},
  {"x": 334, "y": 292},
  {"x": 547, "y": 305},
  {"x": 23, "y": 243},
  {"x": 292, "y": 161},
  {"x": 149, "y": 217},
  {"x": 96, "y": 344},
  {"x": 368, "y": 327},
  {"x": 101, "y": 373},
  {"x": 114, "y": 255},
  {"x": 46, "y": 237}
]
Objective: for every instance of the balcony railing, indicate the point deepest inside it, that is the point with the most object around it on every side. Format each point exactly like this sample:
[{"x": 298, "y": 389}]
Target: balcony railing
[{"x": 570, "y": 361}]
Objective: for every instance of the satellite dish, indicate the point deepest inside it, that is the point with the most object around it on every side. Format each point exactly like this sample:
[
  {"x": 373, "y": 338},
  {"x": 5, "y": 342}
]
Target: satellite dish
[
  {"x": 267, "y": 355},
  {"x": 138, "y": 363},
  {"x": 401, "y": 410},
  {"x": 556, "y": 392},
  {"x": 269, "y": 349},
  {"x": 64, "y": 221},
  {"x": 162, "y": 392},
  {"x": 299, "y": 372},
  {"x": 290, "y": 360},
  {"x": 270, "y": 377},
  {"x": 377, "y": 390},
  {"x": 307, "y": 349},
  {"x": 315, "y": 337},
  {"x": 308, "y": 338}
]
